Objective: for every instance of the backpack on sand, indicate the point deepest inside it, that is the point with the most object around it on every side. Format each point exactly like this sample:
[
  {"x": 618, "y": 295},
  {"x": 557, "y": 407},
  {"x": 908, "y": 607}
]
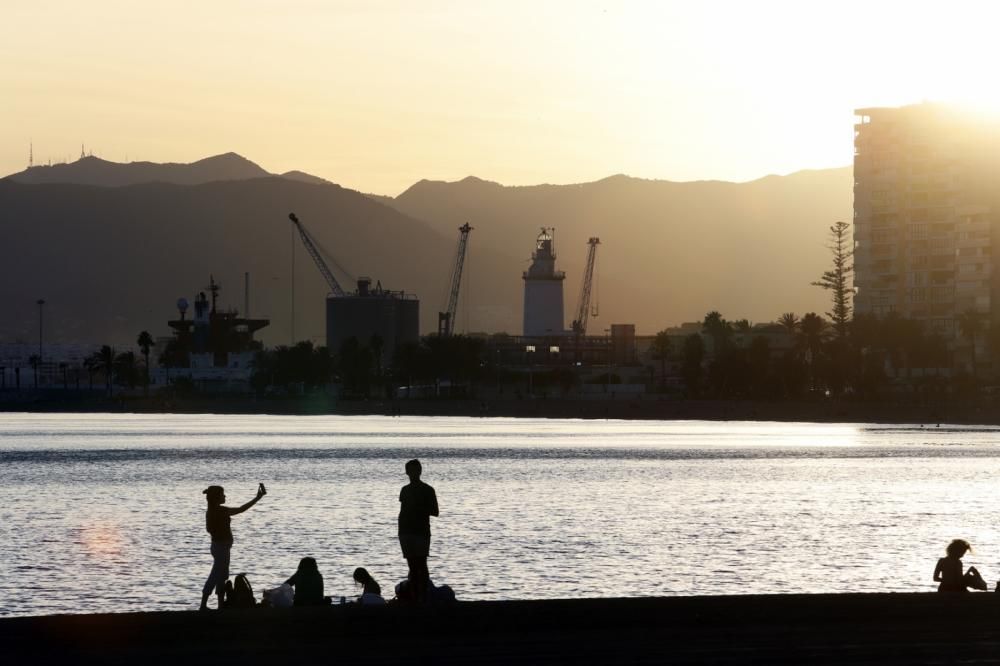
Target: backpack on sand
[{"x": 241, "y": 594}]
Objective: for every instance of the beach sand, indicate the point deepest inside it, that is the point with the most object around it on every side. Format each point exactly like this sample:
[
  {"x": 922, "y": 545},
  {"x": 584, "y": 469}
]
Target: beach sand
[{"x": 773, "y": 629}]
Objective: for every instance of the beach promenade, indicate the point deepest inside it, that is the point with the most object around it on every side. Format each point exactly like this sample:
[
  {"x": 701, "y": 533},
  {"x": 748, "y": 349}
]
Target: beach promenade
[{"x": 774, "y": 629}]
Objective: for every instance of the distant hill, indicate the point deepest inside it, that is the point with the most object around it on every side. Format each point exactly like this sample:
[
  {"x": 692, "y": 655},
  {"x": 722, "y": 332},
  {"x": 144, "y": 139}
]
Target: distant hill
[
  {"x": 112, "y": 261},
  {"x": 670, "y": 251},
  {"x": 95, "y": 171},
  {"x": 305, "y": 177}
]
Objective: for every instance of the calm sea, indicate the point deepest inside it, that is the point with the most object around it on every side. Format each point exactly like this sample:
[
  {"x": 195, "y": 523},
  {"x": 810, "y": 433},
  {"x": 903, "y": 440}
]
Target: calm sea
[{"x": 105, "y": 512}]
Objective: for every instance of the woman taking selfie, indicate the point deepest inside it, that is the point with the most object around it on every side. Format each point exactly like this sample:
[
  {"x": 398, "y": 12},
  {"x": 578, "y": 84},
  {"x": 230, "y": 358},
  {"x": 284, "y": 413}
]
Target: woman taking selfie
[{"x": 217, "y": 523}]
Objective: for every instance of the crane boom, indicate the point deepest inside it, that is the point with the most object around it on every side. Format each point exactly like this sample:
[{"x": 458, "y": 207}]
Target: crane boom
[
  {"x": 317, "y": 257},
  {"x": 583, "y": 305},
  {"x": 446, "y": 319}
]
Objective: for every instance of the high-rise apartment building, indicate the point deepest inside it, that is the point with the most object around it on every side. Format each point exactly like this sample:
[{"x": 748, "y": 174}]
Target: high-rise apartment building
[{"x": 926, "y": 213}]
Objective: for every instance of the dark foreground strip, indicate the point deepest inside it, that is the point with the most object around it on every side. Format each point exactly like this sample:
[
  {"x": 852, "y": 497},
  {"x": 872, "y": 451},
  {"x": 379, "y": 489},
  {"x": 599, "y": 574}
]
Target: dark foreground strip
[{"x": 778, "y": 629}]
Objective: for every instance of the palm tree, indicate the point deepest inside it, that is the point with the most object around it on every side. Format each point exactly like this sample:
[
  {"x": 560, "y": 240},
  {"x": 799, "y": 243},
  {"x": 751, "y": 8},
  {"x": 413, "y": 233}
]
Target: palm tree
[
  {"x": 103, "y": 360},
  {"x": 661, "y": 352},
  {"x": 790, "y": 322},
  {"x": 34, "y": 361},
  {"x": 145, "y": 342},
  {"x": 694, "y": 352},
  {"x": 971, "y": 323},
  {"x": 811, "y": 335},
  {"x": 743, "y": 327},
  {"x": 125, "y": 368},
  {"x": 717, "y": 328},
  {"x": 90, "y": 363}
]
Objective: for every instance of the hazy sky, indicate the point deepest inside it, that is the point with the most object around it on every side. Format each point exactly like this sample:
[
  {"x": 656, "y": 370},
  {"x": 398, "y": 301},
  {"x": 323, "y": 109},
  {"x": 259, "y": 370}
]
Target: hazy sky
[{"x": 376, "y": 95}]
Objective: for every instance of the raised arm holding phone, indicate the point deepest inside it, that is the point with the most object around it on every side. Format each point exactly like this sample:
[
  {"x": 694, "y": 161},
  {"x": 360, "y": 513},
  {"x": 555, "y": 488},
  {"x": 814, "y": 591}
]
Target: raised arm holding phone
[{"x": 217, "y": 519}]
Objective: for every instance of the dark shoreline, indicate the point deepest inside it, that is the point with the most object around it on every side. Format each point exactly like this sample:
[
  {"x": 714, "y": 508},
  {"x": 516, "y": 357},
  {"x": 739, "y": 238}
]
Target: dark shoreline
[
  {"x": 767, "y": 629},
  {"x": 982, "y": 410}
]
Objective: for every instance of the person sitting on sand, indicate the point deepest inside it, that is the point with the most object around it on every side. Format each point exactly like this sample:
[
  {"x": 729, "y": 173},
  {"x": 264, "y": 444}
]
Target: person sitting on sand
[
  {"x": 371, "y": 593},
  {"x": 217, "y": 523},
  {"x": 949, "y": 569},
  {"x": 308, "y": 583}
]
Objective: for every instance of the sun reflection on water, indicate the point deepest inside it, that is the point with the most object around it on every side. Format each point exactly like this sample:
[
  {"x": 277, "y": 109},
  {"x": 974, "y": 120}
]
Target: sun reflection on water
[{"x": 101, "y": 540}]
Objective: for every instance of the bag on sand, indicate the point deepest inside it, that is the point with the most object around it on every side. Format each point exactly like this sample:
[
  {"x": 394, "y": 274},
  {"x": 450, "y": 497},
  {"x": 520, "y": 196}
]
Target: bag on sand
[
  {"x": 280, "y": 597},
  {"x": 241, "y": 595},
  {"x": 974, "y": 580}
]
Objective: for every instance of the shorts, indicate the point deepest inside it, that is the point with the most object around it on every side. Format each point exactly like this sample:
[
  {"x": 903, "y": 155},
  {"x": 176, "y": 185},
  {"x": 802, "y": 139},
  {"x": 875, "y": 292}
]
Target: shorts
[{"x": 415, "y": 545}]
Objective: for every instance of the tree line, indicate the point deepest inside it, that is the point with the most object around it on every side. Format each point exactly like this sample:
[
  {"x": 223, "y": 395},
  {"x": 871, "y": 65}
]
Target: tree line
[
  {"x": 844, "y": 353},
  {"x": 362, "y": 370}
]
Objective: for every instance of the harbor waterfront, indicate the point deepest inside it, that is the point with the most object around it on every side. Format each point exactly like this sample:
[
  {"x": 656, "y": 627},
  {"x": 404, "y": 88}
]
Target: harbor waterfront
[{"x": 104, "y": 513}]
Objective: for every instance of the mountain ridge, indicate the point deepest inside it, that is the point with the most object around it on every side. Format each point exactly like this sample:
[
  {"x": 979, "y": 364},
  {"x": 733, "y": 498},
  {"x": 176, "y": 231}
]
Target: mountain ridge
[
  {"x": 112, "y": 261},
  {"x": 670, "y": 250},
  {"x": 471, "y": 180},
  {"x": 90, "y": 170}
]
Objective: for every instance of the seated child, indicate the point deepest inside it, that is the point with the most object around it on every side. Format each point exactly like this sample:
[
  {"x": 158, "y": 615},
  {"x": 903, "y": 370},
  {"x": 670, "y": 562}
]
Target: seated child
[
  {"x": 371, "y": 593},
  {"x": 308, "y": 583}
]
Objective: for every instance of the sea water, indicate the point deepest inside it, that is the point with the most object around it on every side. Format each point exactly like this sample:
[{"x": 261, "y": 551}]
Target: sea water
[{"x": 104, "y": 512}]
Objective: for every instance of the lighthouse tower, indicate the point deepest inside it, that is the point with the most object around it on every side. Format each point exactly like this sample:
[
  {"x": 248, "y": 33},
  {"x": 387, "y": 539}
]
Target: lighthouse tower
[{"x": 543, "y": 290}]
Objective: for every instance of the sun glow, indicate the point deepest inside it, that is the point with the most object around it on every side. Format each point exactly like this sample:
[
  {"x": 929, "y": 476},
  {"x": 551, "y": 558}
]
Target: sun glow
[{"x": 101, "y": 540}]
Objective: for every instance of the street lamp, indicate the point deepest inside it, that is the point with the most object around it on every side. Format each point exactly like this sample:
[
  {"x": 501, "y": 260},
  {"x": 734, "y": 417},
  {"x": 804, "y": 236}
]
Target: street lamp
[
  {"x": 607, "y": 375},
  {"x": 528, "y": 351},
  {"x": 40, "y": 302}
]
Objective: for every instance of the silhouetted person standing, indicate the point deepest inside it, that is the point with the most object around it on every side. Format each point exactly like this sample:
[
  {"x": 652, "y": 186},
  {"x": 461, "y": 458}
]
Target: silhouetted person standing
[
  {"x": 417, "y": 503},
  {"x": 217, "y": 523}
]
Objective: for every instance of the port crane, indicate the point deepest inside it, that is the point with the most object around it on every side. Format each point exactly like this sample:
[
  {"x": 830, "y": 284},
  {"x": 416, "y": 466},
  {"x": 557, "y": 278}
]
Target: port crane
[
  {"x": 311, "y": 247},
  {"x": 583, "y": 312},
  {"x": 446, "y": 319}
]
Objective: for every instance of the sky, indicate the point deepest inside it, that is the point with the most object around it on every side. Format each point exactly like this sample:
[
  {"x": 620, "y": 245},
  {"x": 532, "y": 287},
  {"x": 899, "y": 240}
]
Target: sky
[{"x": 377, "y": 95}]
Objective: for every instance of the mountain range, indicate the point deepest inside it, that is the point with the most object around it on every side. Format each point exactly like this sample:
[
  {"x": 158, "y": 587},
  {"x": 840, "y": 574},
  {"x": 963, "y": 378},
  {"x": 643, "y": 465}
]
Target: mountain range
[
  {"x": 90, "y": 170},
  {"x": 111, "y": 246},
  {"x": 670, "y": 252}
]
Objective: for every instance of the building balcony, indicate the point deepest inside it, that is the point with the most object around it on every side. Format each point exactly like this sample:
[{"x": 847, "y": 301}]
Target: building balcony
[
  {"x": 972, "y": 243},
  {"x": 941, "y": 263}
]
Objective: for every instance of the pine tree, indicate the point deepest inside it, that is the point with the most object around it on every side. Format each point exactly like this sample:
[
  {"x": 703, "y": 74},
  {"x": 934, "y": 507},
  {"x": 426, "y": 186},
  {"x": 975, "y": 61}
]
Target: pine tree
[{"x": 837, "y": 279}]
